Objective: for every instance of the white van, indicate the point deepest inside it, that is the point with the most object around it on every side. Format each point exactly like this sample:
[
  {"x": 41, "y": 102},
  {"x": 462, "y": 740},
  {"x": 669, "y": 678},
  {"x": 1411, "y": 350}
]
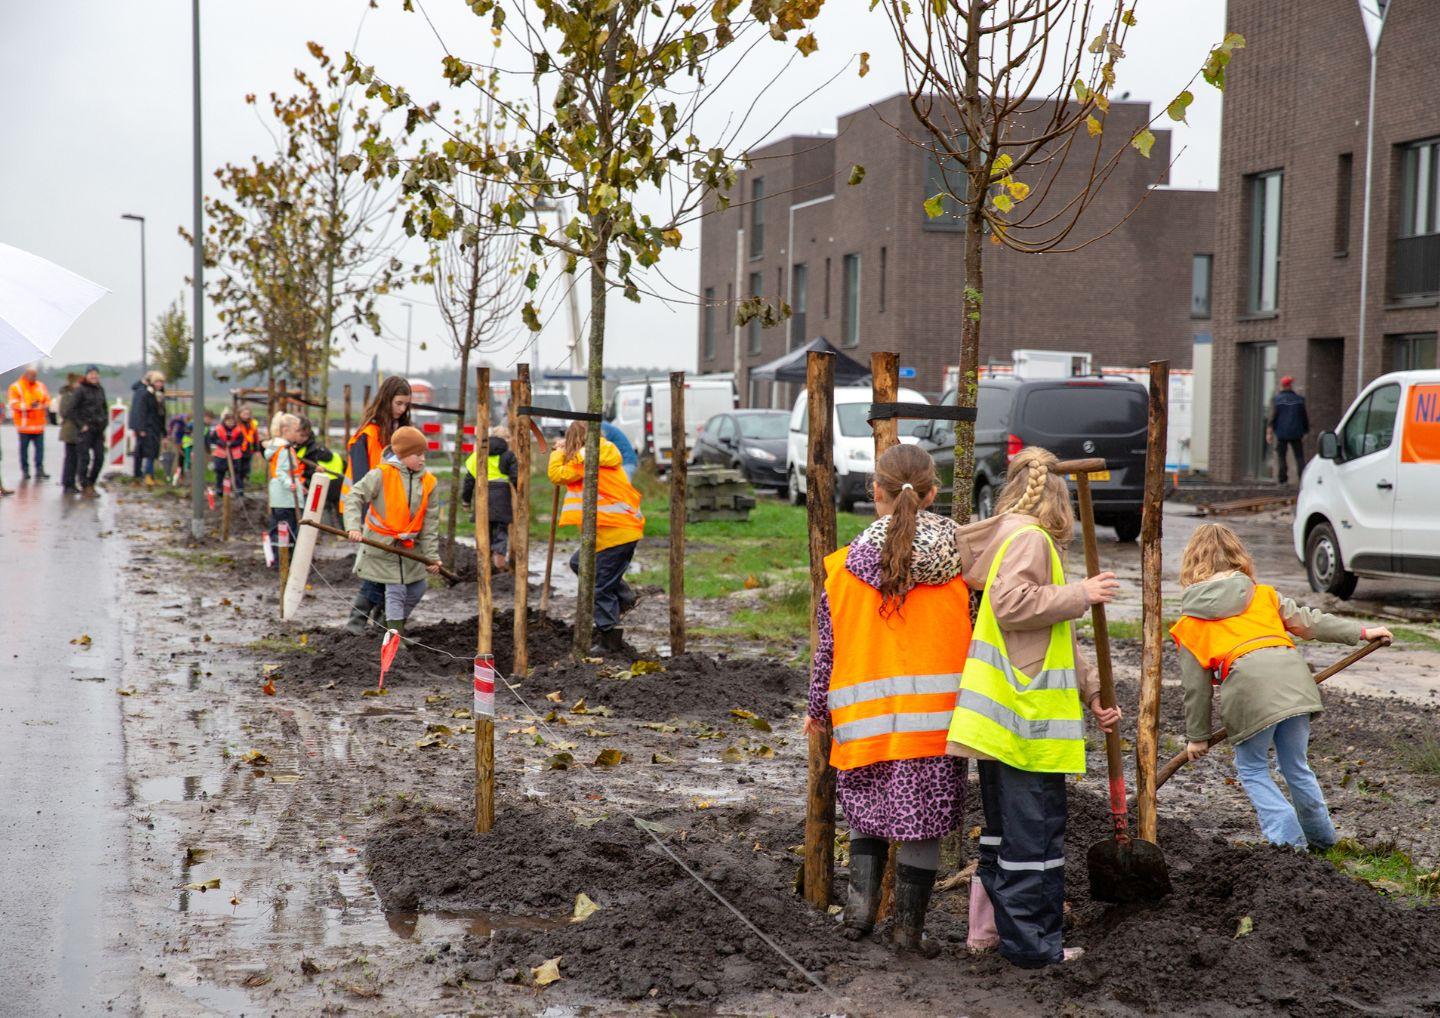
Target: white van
[
  {"x": 854, "y": 444},
  {"x": 1369, "y": 503},
  {"x": 704, "y": 398}
]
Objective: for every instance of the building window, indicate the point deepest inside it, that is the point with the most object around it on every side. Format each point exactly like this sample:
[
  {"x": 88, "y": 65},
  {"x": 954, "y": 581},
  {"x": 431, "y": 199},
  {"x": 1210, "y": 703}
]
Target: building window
[
  {"x": 944, "y": 176},
  {"x": 1413, "y": 352},
  {"x": 708, "y": 348},
  {"x": 1201, "y": 266},
  {"x": 1344, "y": 173},
  {"x": 757, "y": 217},
  {"x": 1265, "y": 242},
  {"x": 827, "y": 287},
  {"x": 882, "y": 279},
  {"x": 753, "y": 327},
  {"x": 797, "y": 306},
  {"x": 1417, "y": 248},
  {"x": 850, "y": 294}
]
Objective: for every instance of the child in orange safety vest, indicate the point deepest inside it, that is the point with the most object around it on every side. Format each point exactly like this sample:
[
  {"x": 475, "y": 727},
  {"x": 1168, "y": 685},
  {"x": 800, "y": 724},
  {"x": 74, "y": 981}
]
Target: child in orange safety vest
[
  {"x": 395, "y": 504},
  {"x": 894, "y": 625},
  {"x": 1238, "y": 634},
  {"x": 284, "y": 487}
]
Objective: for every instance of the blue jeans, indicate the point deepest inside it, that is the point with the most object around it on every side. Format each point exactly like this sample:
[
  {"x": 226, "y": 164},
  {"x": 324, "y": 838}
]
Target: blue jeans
[
  {"x": 612, "y": 594},
  {"x": 35, "y": 445},
  {"x": 1307, "y": 822}
]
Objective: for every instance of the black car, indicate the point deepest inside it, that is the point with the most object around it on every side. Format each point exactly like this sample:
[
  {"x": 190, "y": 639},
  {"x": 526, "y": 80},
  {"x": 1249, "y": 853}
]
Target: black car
[
  {"x": 1074, "y": 418},
  {"x": 751, "y": 441}
]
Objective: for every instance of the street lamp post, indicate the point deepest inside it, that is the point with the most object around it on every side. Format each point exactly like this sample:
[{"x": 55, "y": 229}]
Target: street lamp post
[
  {"x": 144, "y": 314},
  {"x": 197, "y": 356},
  {"x": 1374, "y": 18}
]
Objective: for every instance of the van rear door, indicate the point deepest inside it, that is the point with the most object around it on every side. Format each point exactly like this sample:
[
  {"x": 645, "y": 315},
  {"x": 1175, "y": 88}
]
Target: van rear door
[
  {"x": 1417, "y": 482},
  {"x": 1084, "y": 417}
]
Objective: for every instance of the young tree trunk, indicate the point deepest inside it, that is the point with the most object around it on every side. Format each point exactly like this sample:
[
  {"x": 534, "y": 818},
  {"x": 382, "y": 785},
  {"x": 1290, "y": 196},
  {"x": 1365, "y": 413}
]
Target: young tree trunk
[
  {"x": 457, "y": 465},
  {"x": 595, "y": 372},
  {"x": 963, "y": 490}
]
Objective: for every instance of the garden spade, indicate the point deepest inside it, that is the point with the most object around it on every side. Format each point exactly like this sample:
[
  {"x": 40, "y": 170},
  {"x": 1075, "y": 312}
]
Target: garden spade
[{"x": 1122, "y": 869}]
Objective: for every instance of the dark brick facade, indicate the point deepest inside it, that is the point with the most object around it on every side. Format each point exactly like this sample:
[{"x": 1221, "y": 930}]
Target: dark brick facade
[
  {"x": 1125, "y": 298},
  {"x": 1296, "y": 101}
]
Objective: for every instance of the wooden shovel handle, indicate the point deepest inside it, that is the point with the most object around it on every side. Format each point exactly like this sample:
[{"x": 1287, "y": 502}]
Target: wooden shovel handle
[
  {"x": 1220, "y": 735},
  {"x": 402, "y": 552}
]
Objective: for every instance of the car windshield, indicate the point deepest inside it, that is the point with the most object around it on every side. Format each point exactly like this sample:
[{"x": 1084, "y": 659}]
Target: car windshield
[
  {"x": 1086, "y": 410},
  {"x": 764, "y": 426},
  {"x": 550, "y": 400},
  {"x": 855, "y": 421}
]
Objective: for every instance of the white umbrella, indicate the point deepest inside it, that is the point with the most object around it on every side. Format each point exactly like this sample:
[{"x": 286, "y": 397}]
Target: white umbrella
[{"x": 39, "y": 301}]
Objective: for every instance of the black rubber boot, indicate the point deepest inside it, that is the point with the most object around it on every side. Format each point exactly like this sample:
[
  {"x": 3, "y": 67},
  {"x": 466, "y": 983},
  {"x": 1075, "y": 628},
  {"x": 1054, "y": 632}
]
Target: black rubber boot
[
  {"x": 377, "y": 613},
  {"x": 612, "y": 640},
  {"x": 359, "y": 616},
  {"x": 912, "y": 901},
  {"x": 862, "y": 897},
  {"x": 396, "y": 624}
]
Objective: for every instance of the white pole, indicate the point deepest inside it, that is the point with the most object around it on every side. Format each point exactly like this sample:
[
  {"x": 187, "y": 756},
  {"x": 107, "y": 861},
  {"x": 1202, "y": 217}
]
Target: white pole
[{"x": 1365, "y": 206}]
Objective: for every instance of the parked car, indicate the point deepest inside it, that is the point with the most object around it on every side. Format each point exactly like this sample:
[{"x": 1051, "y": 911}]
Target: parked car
[
  {"x": 751, "y": 441},
  {"x": 1368, "y": 502},
  {"x": 1074, "y": 418},
  {"x": 854, "y": 444},
  {"x": 704, "y": 398}
]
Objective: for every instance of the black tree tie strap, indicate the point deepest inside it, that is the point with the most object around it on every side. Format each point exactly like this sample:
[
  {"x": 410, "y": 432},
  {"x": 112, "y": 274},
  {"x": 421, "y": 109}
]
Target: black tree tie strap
[{"x": 919, "y": 412}]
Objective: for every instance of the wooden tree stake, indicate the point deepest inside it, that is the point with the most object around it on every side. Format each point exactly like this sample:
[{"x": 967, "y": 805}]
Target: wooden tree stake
[
  {"x": 678, "y": 465},
  {"x": 283, "y": 535},
  {"x": 347, "y": 416},
  {"x": 1147, "y": 733},
  {"x": 484, "y": 608},
  {"x": 820, "y": 511},
  {"x": 520, "y": 435}
]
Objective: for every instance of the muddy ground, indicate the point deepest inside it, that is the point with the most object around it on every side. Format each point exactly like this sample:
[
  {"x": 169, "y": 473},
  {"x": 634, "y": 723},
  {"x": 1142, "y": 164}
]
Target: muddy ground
[{"x": 338, "y": 825}]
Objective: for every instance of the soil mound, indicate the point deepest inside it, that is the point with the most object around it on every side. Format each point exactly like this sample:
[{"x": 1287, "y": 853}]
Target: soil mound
[
  {"x": 690, "y": 685},
  {"x": 1319, "y": 943},
  {"x": 656, "y": 928}
]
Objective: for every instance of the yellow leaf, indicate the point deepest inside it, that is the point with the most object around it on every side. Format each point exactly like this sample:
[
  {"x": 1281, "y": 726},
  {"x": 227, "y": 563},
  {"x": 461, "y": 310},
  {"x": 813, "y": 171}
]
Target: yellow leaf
[
  {"x": 1245, "y": 927},
  {"x": 702, "y": 803},
  {"x": 82, "y": 640},
  {"x": 1178, "y": 106},
  {"x": 555, "y": 697},
  {"x": 671, "y": 238},
  {"x": 740, "y": 712},
  {"x": 1093, "y": 126},
  {"x": 1129, "y": 17},
  {"x": 646, "y": 667},
  {"x": 578, "y": 707},
  {"x": 375, "y": 692},
  {"x": 1002, "y": 202},
  {"x": 806, "y": 44},
  {"x": 1018, "y": 189},
  {"x": 1143, "y": 142},
  {"x": 584, "y": 908},
  {"x": 864, "y": 63},
  {"x": 935, "y": 206},
  {"x": 1003, "y": 162},
  {"x": 549, "y": 972},
  {"x": 213, "y": 884},
  {"x": 732, "y": 755},
  {"x": 254, "y": 756},
  {"x": 609, "y": 758}
]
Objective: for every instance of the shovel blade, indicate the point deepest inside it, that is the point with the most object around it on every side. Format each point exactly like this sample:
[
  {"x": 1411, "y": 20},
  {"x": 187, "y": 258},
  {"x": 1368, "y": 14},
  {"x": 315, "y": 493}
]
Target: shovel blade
[{"x": 1126, "y": 873}]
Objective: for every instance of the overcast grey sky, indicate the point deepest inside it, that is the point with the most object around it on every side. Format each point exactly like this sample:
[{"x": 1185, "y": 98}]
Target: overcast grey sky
[{"x": 96, "y": 122}]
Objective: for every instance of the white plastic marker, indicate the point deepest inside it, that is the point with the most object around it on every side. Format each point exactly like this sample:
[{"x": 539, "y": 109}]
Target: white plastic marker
[
  {"x": 484, "y": 686},
  {"x": 304, "y": 549}
]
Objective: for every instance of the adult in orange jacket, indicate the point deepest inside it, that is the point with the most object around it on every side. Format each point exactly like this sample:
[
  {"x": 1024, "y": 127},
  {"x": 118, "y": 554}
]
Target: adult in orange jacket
[
  {"x": 29, "y": 401},
  {"x": 619, "y": 525}
]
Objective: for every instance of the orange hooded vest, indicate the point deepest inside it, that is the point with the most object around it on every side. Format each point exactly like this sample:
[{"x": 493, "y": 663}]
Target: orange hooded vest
[
  {"x": 1219, "y": 643},
  {"x": 895, "y": 677},
  {"x": 395, "y": 520}
]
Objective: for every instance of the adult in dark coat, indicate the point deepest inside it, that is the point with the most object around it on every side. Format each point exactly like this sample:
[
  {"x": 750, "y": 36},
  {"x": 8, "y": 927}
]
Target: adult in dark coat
[
  {"x": 69, "y": 434},
  {"x": 147, "y": 420},
  {"x": 91, "y": 414},
  {"x": 1289, "y": 424}
]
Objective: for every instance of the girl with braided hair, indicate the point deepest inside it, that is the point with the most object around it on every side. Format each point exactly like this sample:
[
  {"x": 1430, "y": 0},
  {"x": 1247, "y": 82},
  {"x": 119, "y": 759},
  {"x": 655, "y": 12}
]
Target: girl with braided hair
[
  {"x": 894, "y": 623},
  {"x": 1020, "y": 713}
]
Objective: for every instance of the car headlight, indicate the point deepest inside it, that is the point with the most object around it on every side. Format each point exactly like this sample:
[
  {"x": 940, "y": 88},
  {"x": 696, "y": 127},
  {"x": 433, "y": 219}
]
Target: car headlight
[{"x": 761, "y": 454}]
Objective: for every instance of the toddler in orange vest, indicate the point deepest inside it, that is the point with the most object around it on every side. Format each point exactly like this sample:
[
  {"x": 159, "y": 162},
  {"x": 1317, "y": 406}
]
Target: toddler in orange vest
[
  {"x": 1239, "y": 635},
  {"x": 395, "y": 505}
]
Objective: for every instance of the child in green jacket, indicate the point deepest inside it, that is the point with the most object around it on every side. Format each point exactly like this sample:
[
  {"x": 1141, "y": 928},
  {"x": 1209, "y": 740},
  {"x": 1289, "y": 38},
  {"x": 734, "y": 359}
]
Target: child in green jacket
[{"x": 1239, "y": 635}]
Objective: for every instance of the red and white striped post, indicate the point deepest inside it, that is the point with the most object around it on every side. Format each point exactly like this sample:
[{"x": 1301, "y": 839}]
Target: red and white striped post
[{"x": 116, "y": 434}]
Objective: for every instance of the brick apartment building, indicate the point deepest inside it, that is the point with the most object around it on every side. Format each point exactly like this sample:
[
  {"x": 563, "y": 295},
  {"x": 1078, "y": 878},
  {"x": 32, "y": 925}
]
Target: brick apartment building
[
  {"x": 1289, "y": 218},
  {"x": 864, "y": 267}
]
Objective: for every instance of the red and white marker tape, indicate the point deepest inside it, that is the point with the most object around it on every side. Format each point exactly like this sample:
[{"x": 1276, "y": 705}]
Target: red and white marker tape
[
  {"x": 269, "y": 551},
  {"x": 116, "y": 438},
  {"x": 484, "y": 686},
  {"x": 284, "y": 532},
  {"x": 388, "y": 648},
  {"x": 210, "y": 498},
  {"x": 226, "y": 485}
]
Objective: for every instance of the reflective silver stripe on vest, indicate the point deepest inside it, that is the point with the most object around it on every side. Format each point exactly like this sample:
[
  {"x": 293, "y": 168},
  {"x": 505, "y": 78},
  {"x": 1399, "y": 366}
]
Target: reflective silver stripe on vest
[
  {"x": 1048, "y": 864},
  {"x": 1055, "y": 728},
  {"x": 898, "y": 685},
  {"x": 1050, "y": 678},
  {"x": 891, "y": 724},
  {"x": 989, "y": 839}
]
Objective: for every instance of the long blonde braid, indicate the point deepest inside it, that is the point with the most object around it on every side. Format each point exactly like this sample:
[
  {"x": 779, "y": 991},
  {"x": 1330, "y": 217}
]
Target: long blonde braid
[{"x": 1033, "y": 488}]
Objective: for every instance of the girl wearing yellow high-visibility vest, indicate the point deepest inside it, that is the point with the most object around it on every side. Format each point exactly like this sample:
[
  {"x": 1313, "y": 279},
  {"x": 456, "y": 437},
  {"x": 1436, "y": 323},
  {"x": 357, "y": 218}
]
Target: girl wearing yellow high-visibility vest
[
  {"x": 894, "y": 623},
  {"x": 1020, "y": 708}
]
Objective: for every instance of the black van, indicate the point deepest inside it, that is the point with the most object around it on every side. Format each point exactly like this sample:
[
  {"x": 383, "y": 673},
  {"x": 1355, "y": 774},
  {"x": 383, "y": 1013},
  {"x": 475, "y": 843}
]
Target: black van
[{"x": 1074, "y": 418}]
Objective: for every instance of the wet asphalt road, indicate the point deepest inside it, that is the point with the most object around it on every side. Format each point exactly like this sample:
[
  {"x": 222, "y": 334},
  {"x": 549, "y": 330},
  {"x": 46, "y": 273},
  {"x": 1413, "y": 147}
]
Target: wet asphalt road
[{"x": 64, "y": 895}]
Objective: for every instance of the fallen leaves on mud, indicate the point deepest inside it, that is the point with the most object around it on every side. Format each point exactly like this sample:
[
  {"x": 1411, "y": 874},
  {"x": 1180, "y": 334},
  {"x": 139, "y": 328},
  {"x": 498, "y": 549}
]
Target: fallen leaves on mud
[
  {"x": 546, "y": 973},
  {"x": 83, "y": 640},
  {"x": 584, "y": 908},
  {"x": 609, "y": 758},
  {"x": 213, "y": 884}
]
